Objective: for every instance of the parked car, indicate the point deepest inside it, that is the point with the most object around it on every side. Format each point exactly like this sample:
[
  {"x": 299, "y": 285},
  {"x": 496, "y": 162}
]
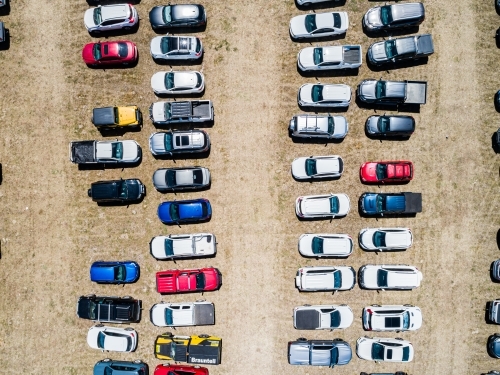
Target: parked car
[
  {"x": 386, "y": 171},
  {"x": 199, "y": 313},
  {"x": 494, "y": 311},
  {"x": 179, "y": 112},
  {"x": 110, "y": 53},
  {"x": 328, "y": 278},
  {"x": 325, "y": 245},
  {"x": 326, "y": 205},
  {"x": 119, "y": 191},
  {"x": 400, "y": 49},
  {"x": 390, "y": 126},
  {"x": 392, "y": 93},
  {"x": 384, "y": 349},
  {"x": 306, "y": 3},
  {"x": 329, "y": 353},
  {"x": 105, "y": 152},
  {"x": 494, "y": 345},
  {"x": 177, "y": 82},
  {"x": 117, "y": 117},
  {"x": 188, "y": 281},
  {"x": 3, "y": 33},
  {"x": 330, "y": 166},
  {"x": 170, "y": 369},
  {"x": 176, "y": 48},
  {"x": 179, "y": 179},
  {"x": 329, "y": 58},
  {"x": 495, "y": 270},
  {"x": 324, "y": 96},
  {"x": 198, "y": 349},
  {"x": 322, "y": 317},
  {"x": 389, "y": 277},
  {"x": 380, "y": 204},
  {"x": 395, "y": 16},
  {"x": 109, "y": 309},
  {"x": 318, "y": 126},
  {"x": 112, "y": 339},
  {"x": 178, "y": 15},
  {"x": 186, "y": 211},
  {"x": 175, "y": 142},
  {"x": 392, "y": 318},
  {"x": 114, "y": 272},
  {"x": 315, "y": 25},
  {"x": 110, "y": 17},
  {"x": 385, "y": 239},
  {"x": 175, "y": 246},
  {"x": 110, "y": 367}
]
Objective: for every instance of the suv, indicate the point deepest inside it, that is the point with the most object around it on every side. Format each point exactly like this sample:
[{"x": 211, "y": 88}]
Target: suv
[
  {"x": 110, "y": 17},
  {"x": 116, "y": 117},
  {"x": 390, "y": 126},
  {"x": 396, "y": 16},
  {"x": 170, "y": 47},
  {"x": 392, "y": 318},
  {"x": 179, "y": 142},
  {"x": 109, "y": 309},
  {"x": 121, "y": 191},
  {"x": 389, "y": 276},
  {"x": 329, "y": 353},
  {"x": 324, "y": 96},
  {"x": 314, "y": 279},
  {"x": 318, "y": 126},
  {"x": 330, "y": 317},
  {"x": 494, "y": 311}
]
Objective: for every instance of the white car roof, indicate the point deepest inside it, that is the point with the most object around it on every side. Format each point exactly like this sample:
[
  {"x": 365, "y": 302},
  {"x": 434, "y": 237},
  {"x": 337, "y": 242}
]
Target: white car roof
[
  {"x": 318, "y": 204},
  {"x": 185, "y": 79},
  {"x": 336, "y": 92},
  {"x": 333, "y": 54},
  {"x": 308, "y": 122},
  {"x": 324, "y": 20},
  {"x": 115, "y": 11}
]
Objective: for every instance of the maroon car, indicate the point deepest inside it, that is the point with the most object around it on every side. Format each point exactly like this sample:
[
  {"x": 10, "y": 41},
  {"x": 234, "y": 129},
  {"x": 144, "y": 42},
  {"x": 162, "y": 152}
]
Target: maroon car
[
  {"x": 185, "y": 281},
  {"x": 110, "y": 53}
]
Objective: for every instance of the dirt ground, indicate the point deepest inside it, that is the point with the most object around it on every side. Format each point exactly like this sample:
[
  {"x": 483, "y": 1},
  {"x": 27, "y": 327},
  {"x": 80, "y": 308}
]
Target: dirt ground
[{"x": 51, "y": 232}]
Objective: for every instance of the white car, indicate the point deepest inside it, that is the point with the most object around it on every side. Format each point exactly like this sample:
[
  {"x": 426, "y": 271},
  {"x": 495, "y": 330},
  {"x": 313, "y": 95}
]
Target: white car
[
  {"x": 384, "y": 349},
  {"x": 382, "y": 239},
  {"x": 316, "y": 25},
  {"x": 306, "y": 3},
  {"x": 389, "y": 276},
  {"x": 324, "y": 96},
  {"x": 176, "y": 246},
  {"x": 314, "y": 279},
  {"x": 392, "y": 318},
  {"x": 178, "y": 82},
  {"x": 110, "y": 17},
  {"x": 330, "y": 166},
  {"x": 199, "y": 313},
  {"x": 326, "y": 205},
  {"x": 170, "y": 47},
  {"x": 112, "y": 339},
  {"x": 329, "y": 58},
  {"x": 322, "y": 317},
  {"x": 325, "y": 245}
]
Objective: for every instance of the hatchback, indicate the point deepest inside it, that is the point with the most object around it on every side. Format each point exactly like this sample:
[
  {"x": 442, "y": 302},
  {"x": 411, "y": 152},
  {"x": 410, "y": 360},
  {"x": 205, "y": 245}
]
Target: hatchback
[
  {"x": 187, "y": 211},
  {"x": 110, "y": 17},
  {"x": 390, "y": 126},
  {"x": 178, "y": 15},
  {"x": 114, "y": 272},
  {"x": 170, "y": 47}
]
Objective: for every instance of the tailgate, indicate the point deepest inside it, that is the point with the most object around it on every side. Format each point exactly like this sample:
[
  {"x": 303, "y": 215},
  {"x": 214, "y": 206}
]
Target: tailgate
[
  {"x": 416, "y": 92},
  {"x": 413, "y": 202},
  {"x": 206, "y": 352},
  {"x": 425, "y": 45}
]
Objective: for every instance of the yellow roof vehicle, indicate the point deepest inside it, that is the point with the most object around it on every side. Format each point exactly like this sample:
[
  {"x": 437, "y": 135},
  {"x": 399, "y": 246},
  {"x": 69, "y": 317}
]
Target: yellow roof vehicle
[
  {"x": 202, "y": 349},
  {"x": 115, "y": 117}
]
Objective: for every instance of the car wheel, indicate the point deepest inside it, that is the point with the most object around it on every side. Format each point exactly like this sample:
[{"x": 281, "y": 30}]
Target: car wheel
[
  {"x": 168, "y": 334},
  {"x": 129, "y": 329},
  {"x": 96, "y": 32},
  {"x": 90, "y": 295},
  {"x": 203, "y": 336},
  {"x": 408, "y": 305},
  {"x": 338, "y": 339},
  {"x": 306, "y": 4},
  {"x": 302, "y": 339},
  {"x": 399, "y": 338},
  {"x": 307, "y": 305},
  {"x": 106, "y": 360},
  {"x": 200, "y": 300},
  {"x": 137, "y": 361}
]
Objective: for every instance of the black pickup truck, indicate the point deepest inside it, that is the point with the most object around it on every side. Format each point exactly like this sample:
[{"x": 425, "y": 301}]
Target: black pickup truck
[{"x": 109, "y": 309}]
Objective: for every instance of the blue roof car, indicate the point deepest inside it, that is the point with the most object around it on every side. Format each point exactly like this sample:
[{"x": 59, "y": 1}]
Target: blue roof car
[
  {"x": 188, "y": 211},
  {"x": 110, "y": 367},
  {"x": 114, "y": 272}
]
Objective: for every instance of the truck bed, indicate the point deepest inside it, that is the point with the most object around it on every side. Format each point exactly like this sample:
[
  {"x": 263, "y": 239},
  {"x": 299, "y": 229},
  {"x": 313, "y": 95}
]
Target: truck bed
[
  {"x": 352, "y": 55},
  {"x": 416, "y": 92},
  {"x": 413, "y": 202},
  {"x": 82, "y": 152},
  {"x": 203, "y": 109},
  {"x": 424, "y": 45},
  {"x": 204, "y": 314}
]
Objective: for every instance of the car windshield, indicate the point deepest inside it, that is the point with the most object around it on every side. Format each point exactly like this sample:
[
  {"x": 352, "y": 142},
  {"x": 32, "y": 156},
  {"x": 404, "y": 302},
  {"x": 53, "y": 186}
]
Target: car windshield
[
  {"x": 337, "y": 279},
  {"x": 382, "y": 278},
  {"x": 331, "y": 125},
  {"x": 169, "y": 247},
  {"x": 334, "y": 359},
  {"x": 385, "y": 15},
  {"x": 383, "y": 124},
  {"x": 381, "y": 171},
  {"x": 310, "y": 23},
  {"x": 97, "y": 16},
  {"x": 168, "y": 44},
  {"x": 318, "y": 56},
  {"x": 96, "y": 51},
  {"x": 390, "y": 49},
  {"x": 92, "y": 307},
  {"x": 170, "y": 178},
  {"x": 380, "y": 90},
  {"x": 100, "y": 340},
  {"x": 317, "y": 93},
  {"x": 168, "y": 110},
  {"x": 123, "y": 190},
  {"x": 317, "y": 245},
  {"x": 337, "y": 22},
  {"x": 174, "y": 212},
  {"x": 198, "y": 80},
  {"x": 167, "y": 14},
  {"x": 198, "y": 46},
  {"x": 169, "y": 81},
  {"x": 122, "y": 49},
  {"x": 406, "y": 354},
  {"x": 377, "y": 352},
  {"x": 380, "y": 203},
  {"x": 116, "y": 114},
  {"x": 169, "y": 137},
  {"x": 120, "y": 273},
  {"x": 335, "y": 319},
  {"x": 116, "y": 150},
  {"x": 200, "y": 281},
  {"x": 311, "y": 167},
  {"x": 334, "y": 205},
  {"x": 406, "y": 320},
  {"x": 379, "y": 239}
]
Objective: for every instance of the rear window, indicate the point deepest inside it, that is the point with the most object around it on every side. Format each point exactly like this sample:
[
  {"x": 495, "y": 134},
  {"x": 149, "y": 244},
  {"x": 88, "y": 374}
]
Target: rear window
[
  {"x": 200, "y": 281},
  {"x": 169, "y": 247},
  {"x": 335, "y": 319},
  {"x": 334, "y": 205},
  {"x": 337, "y": 22},
  {"x": 382, "y": 278},
  {"x": 406, "y": 354},
  {"x": 317, "y": 245}
]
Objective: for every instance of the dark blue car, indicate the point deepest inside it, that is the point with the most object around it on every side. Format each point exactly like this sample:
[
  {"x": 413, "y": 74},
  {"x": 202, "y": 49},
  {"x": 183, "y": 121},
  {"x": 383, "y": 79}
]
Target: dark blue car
[
  {"x": 110, "y": 367},
  {"x": 189, "y": 211},
  {"x": 114, "y": 272},
  {"x": 390, "y": 203}
]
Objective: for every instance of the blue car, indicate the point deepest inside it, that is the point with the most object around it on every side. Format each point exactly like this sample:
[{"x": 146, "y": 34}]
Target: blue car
[
  {"x": 110, "y": 367},
  {"x": 114, "y": 272},
  {"x": 189, "y": 211}
]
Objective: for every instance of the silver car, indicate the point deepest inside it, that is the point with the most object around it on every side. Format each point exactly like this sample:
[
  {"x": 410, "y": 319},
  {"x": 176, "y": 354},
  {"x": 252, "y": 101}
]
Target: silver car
[
  {"x": 329, "y": 353},
  {"x": 395, "y": 16},
  {"x": 187, "y": 178},
  {"x": 318, "y": 126},
  {"x": 170, "y": 47},
  {"x": 324, "y": 96},
  {"x": 110, "y": 17}
]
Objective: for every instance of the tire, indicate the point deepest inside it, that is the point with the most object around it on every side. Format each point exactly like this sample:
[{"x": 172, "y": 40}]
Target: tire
[
  {"x": 399, "y": 338},
  {"x": 302, "y": 339},
  {"x": 90, "y": 296},
  {"x": 376, "y": 306},
  {"x": 307, "y": 305},
  {"x": 337, "y": 339},
  {"x": 203, "y": 336},
  {"x": 137, "y": 361},
  {"x": 407, "y": 305},
  {"x": 96, "y": 32},
  {"x": 129, "y": 329},
  {"x": 201, "y": 300},
  {"x": 168, "y": 334}
]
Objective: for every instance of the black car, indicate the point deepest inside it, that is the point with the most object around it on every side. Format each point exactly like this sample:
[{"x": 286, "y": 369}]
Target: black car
[
  {"x": 179, "y": 15},
  {"x": 109, "y": 309},
  {"x": 120, "y": 191},
  {"x": 494, "y": 345},
  {"x": 385, "y": 373},
  {"x": 390, "y": 126},
  {"x": 395, "y": 16}
]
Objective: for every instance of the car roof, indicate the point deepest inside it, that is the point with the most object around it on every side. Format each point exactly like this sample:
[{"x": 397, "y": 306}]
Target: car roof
[
  {"x": 109, "y": 12},
  {"x": 407, "y": 11}
]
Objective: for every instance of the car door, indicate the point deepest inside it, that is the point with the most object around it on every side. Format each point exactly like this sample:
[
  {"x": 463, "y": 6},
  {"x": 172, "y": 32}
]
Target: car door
[{"x": 113, "y": 24}]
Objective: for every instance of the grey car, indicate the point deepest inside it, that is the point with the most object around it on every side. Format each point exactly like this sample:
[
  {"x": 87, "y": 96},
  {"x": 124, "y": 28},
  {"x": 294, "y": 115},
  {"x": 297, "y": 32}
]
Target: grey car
[
  {"x": 179, "y": 142},
  {"x": 110, "y": 367},
  {"x": 178, "y": 15},
  {"x": 329, "y": 353},
  {"x": 318, "y": 126},
  {"x": 395, "y": 16},
  {"x": 188, "y": 178},
  {"x": 390, "y": 126},
  {"x": 171, "y": 47},
  {"x": 400, "y": 49},
  {"x": 494, "y": 311},
  {"x": 495, "y": 270}
]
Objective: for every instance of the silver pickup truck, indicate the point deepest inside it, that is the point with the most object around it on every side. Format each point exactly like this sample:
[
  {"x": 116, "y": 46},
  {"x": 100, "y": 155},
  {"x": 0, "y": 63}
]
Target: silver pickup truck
[
  {"x": 400, "y": 49},
  {"x": 392, "y": 92},
  {"x": 180, "y": 112}
]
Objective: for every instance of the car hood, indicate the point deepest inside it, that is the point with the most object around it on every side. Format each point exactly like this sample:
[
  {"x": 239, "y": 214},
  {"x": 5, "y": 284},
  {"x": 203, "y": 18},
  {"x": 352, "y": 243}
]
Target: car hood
[
  {"x": 158, "y": 247},
  {"x": 372, "y": 17},
  {"x": 364, "y": 349},
  {"x": 211, "y": 279},
  {"x": 299, "y": 167},
  {"x": 369, "y": 203},
  {"x": 156, "y": 15},
  {"x": 88, "y": 52},
  {"x": 158, "y": 314},
  {"x": 306, "y": 57},
  {"x": 92, "y": 337},
  {"x": 369, "y": 171},
  {"x": 157, "y": 142},
  {"x": 158, "y": 111},
  {"x": 158, "y": 81},
  {"x": 132, "y": 272},
  {"x": 88, "y": 18},
  {"x": 83, "y": 308},
  {"x": 367, "y": 238},
  {"x": 299, "y": 354},
  {"x": 415, "y": 319},
  {"x": 298, "y": 26},
  {"x": 155, "y": 45},
  {"x": 305, "y": 243},
  {"x": 127, "y": 115},
  {"x": 159, "y": 179},
  {"x": 164, "y": 211},
  {"x": 367, "y": 89},
  {"x": 345, "y": 353},
  {"x": 341, "y": 126},
  {"x": 348, "y": 277},
  {"x": 371, "y": 124},
  {"x": 377, "y": 51},
  {"x": 130, "y": 151},
  {"x": 369, "y": 277},
  {"x": 344, "y": 204},
  {"x": 305, "y": 92}
]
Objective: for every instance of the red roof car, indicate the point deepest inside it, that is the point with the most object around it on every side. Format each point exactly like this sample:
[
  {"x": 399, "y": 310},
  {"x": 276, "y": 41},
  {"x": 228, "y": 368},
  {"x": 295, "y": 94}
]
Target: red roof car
[
  {"x": 185, "y": 281},
  {"x": 169, "y": 369},
  {"x": 386, "y": 171},
  {"x": 109, "y": 53}
]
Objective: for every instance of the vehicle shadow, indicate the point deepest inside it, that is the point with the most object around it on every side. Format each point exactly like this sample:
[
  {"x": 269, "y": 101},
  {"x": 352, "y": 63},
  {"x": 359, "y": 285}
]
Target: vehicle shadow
[
  {"x": 182, "y": 96},
  {"x": 494, "y": 144},
  {"x": 120, "y": 204},
  {"x": 393, "y": 33},
  {"x": 180, "y": 225},
  {"x": 180, "y": 30},
  {"x": 5, "y": 10},
  {"x": 321, "y": 6},
  {"x": 412, "y": 108},
  {"x": 174, "y": 158},
  {"x": 305, "y": 219},
  {"x": 173, "y": 63},
  {"x": 323, "y": 110},
  {"x": 1, "y": 174},
  {"x": 498, "y": 232},
  {"x": 102, "y": 167},
  {"x": 330, "y": 38},
  {"x": 328, "y": 73},
  {"x": 397, "y": 65},
  {"x": 392, "y": 216},
  {"x": 119, "y": 131},
  {"x": 186, "y": 126},
  {"x": 326, "y": 179},
  {"x": 115, "y": 33},
  {"x": 315, "y": 141},
  {"x": 5, "y": 45},
  {"x": 114, "y": 66},
  {"x": 109, "y": 2},
  {"x": 381, "y": 138},
  {"x": 174, "y": 192},
  {"x": 380, "y": 185}
]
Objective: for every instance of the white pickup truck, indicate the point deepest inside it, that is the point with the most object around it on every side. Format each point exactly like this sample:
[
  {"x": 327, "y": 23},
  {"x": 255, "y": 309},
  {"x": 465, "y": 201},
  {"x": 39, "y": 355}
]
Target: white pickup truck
[
  {"x": 322, "y": 317},
  {"x": 104, "y": 152},
  {"x": 176, "y": 246},
  {"x": 199, "y": 313}
]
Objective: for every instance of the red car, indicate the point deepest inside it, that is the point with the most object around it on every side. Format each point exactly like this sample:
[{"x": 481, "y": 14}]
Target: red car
[
  {"x": 109, "y": 53},
  {"x": 180, "y": 370},
  {"x": 386, "y": 171},
  {"x": 185, "y": 281}
]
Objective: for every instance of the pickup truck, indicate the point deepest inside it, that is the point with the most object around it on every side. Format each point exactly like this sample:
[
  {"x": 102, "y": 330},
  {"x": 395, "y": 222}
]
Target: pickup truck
[
  {"x": 199, "y": 313},
  {"x": 330, "y": 58},
  {"x": 329, "y": 353},
  {"x": 390, "y": 203},
  {"x": 109, "y": 309},
  {"x": 182, "y": 112},
  {"x": 116, "y": 117},
  {"x": 104, "y": 152},
  {"x": 392, "y": 92},
  {"x": 322, "y": 317},
  {"x": 200, "y": 350},
  {"x": 399, "y": 49},
  {"x": 185, "y": 281},
  {"x": 176, "y": 246}
]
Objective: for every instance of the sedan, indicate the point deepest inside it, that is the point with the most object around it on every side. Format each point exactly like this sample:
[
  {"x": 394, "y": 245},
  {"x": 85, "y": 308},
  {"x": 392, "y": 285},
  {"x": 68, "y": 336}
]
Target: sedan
[
  {"x": 178, "y": 82},
  {"x": 324, "y": 96},
  {"x": 178, "y": 15},
  {"x": 176, "y": 48},
  {"x": 330, "y": 166},
  {"x": 392, "y": 318},
  {"x": 390, "y": 277},
  {"x": 390, "y": 126},
  {"x": 326, "y": 205},
  {"x": 322, "y": 317},
  {"x": 109, "y": 53},
  {"x": 385, "y": 239},
  {"x": 188, "y": 178},
  {"x": 110, "y": 17},
  {"x": 319, "y": 25},
  {"x": 112, "y": 339},
  {"x": 187, "y": 211},
  {"x": 110, "y": 367},
  {"x": 384, "y": 349},
  {"x": 170, "y": 369},
  {"x": 114, "y": 272},
  {"x": 325, "y": 245},
  {"x": 386, "y": 171}
]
